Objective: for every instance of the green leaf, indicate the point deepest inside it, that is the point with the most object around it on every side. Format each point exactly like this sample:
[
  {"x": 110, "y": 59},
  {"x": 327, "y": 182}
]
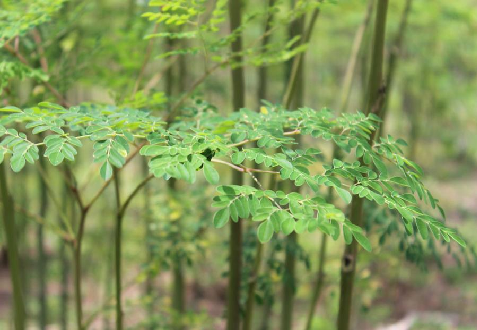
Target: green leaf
[
  {"x": 233, "y": 212},
  {"x": 422, "y": 227},
  {"x": 344, "y": 194},
  {"x": 56, "y": 158},
  {"x": 458, "y": 239},
  {"x": 381, "y": 167},
  {"x": 17, "y": 162},
  {"x": 238, "y": 158},
  {"x": 221, "y": 217},
  {"x": 106, "y": 171},
  {"x": 348, "y": 235},
  {"x": 211, "y": 175},
  {"x": 265, "y": 231},
  {"x": 10, "y": 109},
  {"x": 288, "y": 223},
  {"x": 362, "y": 240},
  {"x": 406, "y": 214}
]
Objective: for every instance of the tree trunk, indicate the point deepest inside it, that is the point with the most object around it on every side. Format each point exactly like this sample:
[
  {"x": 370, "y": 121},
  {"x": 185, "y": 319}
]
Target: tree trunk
[
  {"x": 394, "y": 54},
  {"x": 118, "y": 249},
  {"x": 374, "y": 103},
  {"x": 12, "y": 252},
  {"x": 42, "y": 260},
  {"x": 345, "y": 93},
  {"x": 235, "y": 243}
]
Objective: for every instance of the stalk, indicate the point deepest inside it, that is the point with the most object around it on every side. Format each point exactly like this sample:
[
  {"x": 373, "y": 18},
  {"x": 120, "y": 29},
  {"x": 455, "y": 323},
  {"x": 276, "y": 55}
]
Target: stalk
[
  {"x": 178, "y": 280},
  {"x": 235, "y": 243},
  {"x": 393, "y": 58},
  {"x": 77, "y": 271},
  {"x": 319, "y": 283},
  {"x": 149, "y": 284},
  {"x": 267, "y": 308},
  {"x": 263, "y": 69},
  {"x": 23, "y": 239},
  {"x": 249, "y": 305},
  {"x": 67, "y": 202},
  {"x": 347, "y": 83},
  {"x": 374, "y": 103},
  {"x": 298, "y": 61},
  {"x": 295, "y": 100},
  {"x": 12, "y": 252},
  {"x": 42, "y": 267},
  {"x": 117, "y": 256},
  {"x": 289, "y": 285},
  {"x": 261, "y": 95},
  {"x": 178, "y": 285}
]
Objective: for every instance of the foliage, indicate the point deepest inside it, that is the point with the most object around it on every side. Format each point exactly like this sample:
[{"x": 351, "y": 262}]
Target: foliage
[
  {"x": 19, "y": 17},
  {"x": 181, "y": 151}
]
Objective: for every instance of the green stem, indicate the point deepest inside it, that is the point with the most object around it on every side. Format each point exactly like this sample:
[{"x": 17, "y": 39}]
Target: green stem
[
  {"x": 149, "y": 284},
  {"x": 319, "y": 283},
  {"x": 23, "y": 237},
  {"x": 298, "y": 61},
  {"x": 178, "y": 284},
  {"x": 295, "y": 100},
  {"x": 263, "y": 69},
  {"x": 249, "y": 306},
  {"x": 289, "y": 284},
  {"x": 42, "y": 317},
  {"x": 261, "y": 95},
  {"x": 178, "y": 295},
  {"x": 235, "y": 242},
  {"x": 267, "y": 306},
  {"x": 393, "y": 58},
  {"x": 351, "y": 65},
  {"x": 77, "y": 270},
  {"x": 117, "y": 259},
  {"x": 67, "y": 203},
  {"x": 12, "y": 251},
  {"x": 374, "y": 104},
  {"x": 347, "y": 83}
]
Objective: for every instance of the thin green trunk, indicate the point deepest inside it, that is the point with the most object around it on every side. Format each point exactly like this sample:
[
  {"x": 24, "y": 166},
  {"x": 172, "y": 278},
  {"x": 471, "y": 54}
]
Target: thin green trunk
[
  {"x": 296, "y": 79},
  {"x": 298, "y": 60},
  {"x": 68, "y": 206},
  {"x": 235, "y": 242},
  {"x": 267, "y": 307},
  {"x": 42, "y": 261},
  {"x": 174, "y": 87},
  {"x": 263, "y": 70},
  {"x": 319, "y": 283},
  {"x": 261, "y": 95},
  {"x": 289, "y": 282},
  {"x": 23, "y": 240},
  {"x": 351, "y": 65},
  {"x": 178, "y": 284},
  {"x": 149, "y": 284},
  {"x": 346, "y": 90},
  {"x": 393, "y": 59},
  {"x": 374, "y": 104},
  {"x": 12, "y": 252},
  {"x": 77, "y": 271},
  {"x": 109, "y": 274},
  {"x": 249, "y": 306},
  {"x": 117, "y": 256}
]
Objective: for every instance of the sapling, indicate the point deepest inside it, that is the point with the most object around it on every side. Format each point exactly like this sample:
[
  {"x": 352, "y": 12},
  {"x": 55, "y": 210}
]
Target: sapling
[
  {"x": 12, "y": 250},
  {"x": 235, "y": 243},
  {"x": 344, "y": 98},
  {"x": 373, "y": 106}
]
